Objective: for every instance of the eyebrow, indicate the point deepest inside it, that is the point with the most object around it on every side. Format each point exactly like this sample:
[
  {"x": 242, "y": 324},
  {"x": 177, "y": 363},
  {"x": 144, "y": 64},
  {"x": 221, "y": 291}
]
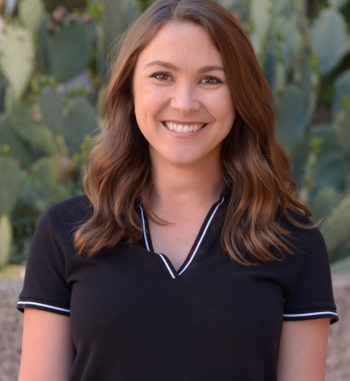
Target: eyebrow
[{"x": 169, "y": 65}]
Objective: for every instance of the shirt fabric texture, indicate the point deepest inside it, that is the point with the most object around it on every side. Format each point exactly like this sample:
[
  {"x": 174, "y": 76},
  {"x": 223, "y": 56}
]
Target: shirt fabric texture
[{"x": 134, "y": 317}]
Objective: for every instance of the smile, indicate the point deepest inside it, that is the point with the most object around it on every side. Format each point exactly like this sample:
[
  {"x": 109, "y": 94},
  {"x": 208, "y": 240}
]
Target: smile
[{"x": 184, "y": 128}]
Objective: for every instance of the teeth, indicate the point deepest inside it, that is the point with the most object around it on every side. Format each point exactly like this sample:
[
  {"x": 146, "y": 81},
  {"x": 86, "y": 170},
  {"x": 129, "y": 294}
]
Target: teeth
[
  {"x": 183, "y": 128},
  {"x": 180, "y": 128}
]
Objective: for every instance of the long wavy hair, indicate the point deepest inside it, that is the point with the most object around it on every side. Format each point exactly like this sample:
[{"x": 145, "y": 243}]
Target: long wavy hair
[{"x": 119, "y": 177}]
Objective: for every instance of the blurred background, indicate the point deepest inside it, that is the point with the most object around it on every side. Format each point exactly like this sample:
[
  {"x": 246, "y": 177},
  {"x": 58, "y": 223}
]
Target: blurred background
[{"x": 53, "y": 67}]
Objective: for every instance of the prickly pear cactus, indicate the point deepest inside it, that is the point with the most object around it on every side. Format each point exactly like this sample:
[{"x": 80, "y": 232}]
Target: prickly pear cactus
[
  {"x": 261, "y": 17},
  {"x": 239, "y": 7},
  {"x": 31, "y": 13},
  {"x": 28, "y": 125},
  {"x": 328, "y": 27},
  {"x": 51, "y": 171},
  {"x": 338, "y": 3},
  {"x": 80, "y": 121},
  {"x": 10, "y": 184},
  {"x": 17, "y": 54},
  {"x": 326, "y": 199},
  {"x": 332, "y": 171},
  {"x": 291, "y": 117},
  {"x": 341, "y": 91},
  {"x": 343, "y": 130},
  {"x": 18, "y": 149},
  {"x": 5, "y": 240},
  {"x": 69, "y": 49},
  {"x": 117, "y": 16},
  {"x": 336, "y": 227},
  {"x": 51, "y": 108}
]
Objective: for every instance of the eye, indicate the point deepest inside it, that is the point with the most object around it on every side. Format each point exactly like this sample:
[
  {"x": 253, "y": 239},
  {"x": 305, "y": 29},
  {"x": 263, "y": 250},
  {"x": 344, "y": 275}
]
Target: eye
[
  {"x": 161, "y": 76},
  {"x": 209, "y": 80}
]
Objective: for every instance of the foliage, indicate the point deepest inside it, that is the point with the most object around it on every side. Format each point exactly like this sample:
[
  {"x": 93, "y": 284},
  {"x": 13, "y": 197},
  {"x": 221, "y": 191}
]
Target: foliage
[{"x": 52, "y": 66}]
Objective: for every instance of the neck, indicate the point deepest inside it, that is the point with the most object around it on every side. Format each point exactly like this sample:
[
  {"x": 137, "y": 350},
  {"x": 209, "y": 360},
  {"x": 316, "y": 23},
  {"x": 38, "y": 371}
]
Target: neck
[{"x": 177, "y": 188}]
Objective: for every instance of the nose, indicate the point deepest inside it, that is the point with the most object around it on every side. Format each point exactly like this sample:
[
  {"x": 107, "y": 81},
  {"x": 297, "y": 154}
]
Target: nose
[{"x": 184, "y": 100}]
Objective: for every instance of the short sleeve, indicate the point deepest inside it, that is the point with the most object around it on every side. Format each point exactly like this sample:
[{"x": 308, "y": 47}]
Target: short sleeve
[
  {"x": 45, "y": 287},
  {"x": 312, "y": 294}
]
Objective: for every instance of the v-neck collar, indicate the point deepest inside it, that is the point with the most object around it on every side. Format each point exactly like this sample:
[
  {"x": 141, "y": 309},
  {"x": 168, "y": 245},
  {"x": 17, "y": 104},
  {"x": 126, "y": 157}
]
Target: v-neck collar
[{"x": 195, "y": 247}]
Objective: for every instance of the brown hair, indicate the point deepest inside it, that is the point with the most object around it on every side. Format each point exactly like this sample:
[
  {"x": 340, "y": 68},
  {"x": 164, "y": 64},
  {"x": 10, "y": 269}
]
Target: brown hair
[{"x": 254, "y": 166}]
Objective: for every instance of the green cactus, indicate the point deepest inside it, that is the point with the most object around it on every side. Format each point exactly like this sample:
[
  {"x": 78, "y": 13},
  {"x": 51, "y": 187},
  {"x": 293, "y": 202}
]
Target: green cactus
[
  {"x": 42, "y": 45},
  {"x": 332, "y": 171},
  {"x": 328, "y": 27},
  {"x": 31, "y": 13},
  {"x": 338, "y": 3},
  {"x": 81, "y": 120},
  {"x": 261, "y": 18},
  {"x": 343, "y": 131},
  {"x": 117, "y": 16},
  {"x": 336, "y": 227},
  {"x": 27, "y": 124},
  {"x": 341, "y": 90},
  {"x": 341, "y": 267},
  {"x": 17, "y": 56},
  {"x": 242, "y": 6},
  {"x": 325, "y": 200},
  {"x": 69, "y": 49},
  {"x": 50, "y": 171},
  {"x": 5, "y": 240},
  {"x": 3, "y": 86},
  {"x": 291, "y": 117},
  {"x": 300, "y": 152},
  {"x": 10, "y": 184},
  {"x": 51, "y": 107},
  {"x": 18, "y": 149}
]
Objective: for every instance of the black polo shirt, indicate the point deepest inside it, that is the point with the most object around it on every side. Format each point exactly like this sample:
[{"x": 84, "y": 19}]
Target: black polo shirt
[{"x": 135, "y": 318}]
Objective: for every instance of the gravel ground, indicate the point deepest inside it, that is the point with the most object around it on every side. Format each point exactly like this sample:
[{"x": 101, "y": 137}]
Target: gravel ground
[
  {"x": 338, "y": 361},
  {"x": 10, "y": 329}
]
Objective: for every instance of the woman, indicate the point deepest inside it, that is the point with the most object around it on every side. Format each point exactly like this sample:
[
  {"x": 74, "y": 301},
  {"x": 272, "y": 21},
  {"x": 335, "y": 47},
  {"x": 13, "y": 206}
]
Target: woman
[{"x": 190, "y": 258}]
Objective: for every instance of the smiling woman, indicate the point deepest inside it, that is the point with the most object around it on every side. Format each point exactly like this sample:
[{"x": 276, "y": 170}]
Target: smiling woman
[
  {"x": 189, "y": 258},
  {"x": 183, "y": 104}
]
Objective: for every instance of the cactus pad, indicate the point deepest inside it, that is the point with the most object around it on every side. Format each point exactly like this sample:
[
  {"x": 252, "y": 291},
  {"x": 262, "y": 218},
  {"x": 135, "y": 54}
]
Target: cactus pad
[
  {"x": 10, "y": 184},
  {"x": 336, "y": 227},
  {"x": 332, "y": 171},
  {"x": 343, "y": 131},
  {"x": 260, "y": 13},
  {"x": 80, "y": 121},
  {"x": 31, "y": 13},
  {"x": 338, "y": 3},
  {"x": 51, "y": 108},
  {"x": 5, "y": 240},
  {"x": 117, "y": 16},
  {"x": 326, "y": 199},
  {"x": 18, "y": 149},
  {"x": 17, "y": 58},
  {"x": 291, "y": 117},
  {"x": 69, "y": 50},
  {"x": 329, "y": 27},
  {"x": 342, "y": 89},
  {"x": 50, "y": 171},
  {"x": 34, "y": 132}
]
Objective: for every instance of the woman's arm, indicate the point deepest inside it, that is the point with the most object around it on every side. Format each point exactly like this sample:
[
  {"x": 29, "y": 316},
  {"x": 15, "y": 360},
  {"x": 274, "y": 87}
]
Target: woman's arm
[
  {"x": 47, "y": 349},
  {"x": 303, "y": 350}
]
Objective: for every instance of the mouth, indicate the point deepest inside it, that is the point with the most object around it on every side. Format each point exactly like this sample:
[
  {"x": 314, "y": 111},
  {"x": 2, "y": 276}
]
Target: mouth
[{"x": 184, "y": 128}]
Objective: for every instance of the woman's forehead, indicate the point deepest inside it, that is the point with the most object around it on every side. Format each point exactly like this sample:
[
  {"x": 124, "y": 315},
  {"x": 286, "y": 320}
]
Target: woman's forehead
[{"x": 182, "y": 42}]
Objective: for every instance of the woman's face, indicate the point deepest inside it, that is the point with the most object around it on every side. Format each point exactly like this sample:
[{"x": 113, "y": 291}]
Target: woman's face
[{"x": 183, "y": 104}]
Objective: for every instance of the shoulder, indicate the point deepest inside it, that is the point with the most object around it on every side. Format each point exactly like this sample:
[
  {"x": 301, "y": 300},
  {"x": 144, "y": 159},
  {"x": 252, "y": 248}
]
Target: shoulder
[
  {"x": 63, "y": 219},
  {"x": 303, "y": 232},
  {"x": 72, "y": 210}
]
